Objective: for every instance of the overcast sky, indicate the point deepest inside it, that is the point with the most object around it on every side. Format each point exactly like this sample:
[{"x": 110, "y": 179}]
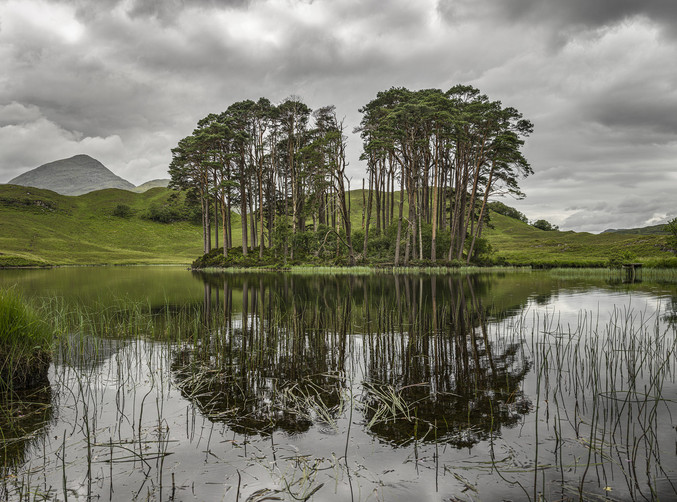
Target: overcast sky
[{"x": 124, "y": 80}]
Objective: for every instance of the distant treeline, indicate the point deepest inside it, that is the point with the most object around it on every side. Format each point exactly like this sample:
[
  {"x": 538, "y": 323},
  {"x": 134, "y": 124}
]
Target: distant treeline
[{"x": 433, "y": 160}]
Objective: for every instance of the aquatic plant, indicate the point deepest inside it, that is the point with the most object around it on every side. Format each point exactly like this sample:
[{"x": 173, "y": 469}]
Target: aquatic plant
[{"x": 25, "y": 344}]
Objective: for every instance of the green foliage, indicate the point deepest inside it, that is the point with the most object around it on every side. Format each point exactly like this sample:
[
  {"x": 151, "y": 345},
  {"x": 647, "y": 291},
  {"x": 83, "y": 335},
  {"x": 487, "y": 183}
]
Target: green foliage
[
  {"x": 281, "y": 234},
  {"x": 671, "y": 227},
  {"x": 544, "y": 225},
  {"x": 235, "y": 258},
  {"x": 172, "y": 210},
  {"x": 303, "y": 242},
  {"x": 83, "y": 231},
  {"x": 483, "y": 251},
  {"x": 510, "y": 212},
  {"x": 523, "y": 245},
  {"x": 12, "y": 261},
  {"x": 122, "y": 211},
  {"x": 615, "y": 261},
  {"x": 164, "y": 214},
  {"x": 25, "y": 343},
  {"x": 20, "y": 326}
]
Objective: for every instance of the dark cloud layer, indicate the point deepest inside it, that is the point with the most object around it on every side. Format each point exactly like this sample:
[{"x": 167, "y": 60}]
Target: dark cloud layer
[
  {"x": 124, "y": 80},
  {"x": 565, "y": 15},
  {"x": 164, "y": 10}
]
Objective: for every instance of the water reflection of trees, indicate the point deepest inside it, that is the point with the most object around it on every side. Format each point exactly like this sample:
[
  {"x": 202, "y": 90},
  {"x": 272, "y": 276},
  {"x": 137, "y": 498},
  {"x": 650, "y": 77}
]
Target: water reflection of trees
[
  {"x": 436, "y": 360},
  {"x": 279, "y": 351},
  {"x": 266, "y": 367}
]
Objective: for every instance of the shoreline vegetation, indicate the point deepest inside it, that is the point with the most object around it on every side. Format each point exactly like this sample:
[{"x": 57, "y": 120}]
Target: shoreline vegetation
[{"x": 25, "y": 345}]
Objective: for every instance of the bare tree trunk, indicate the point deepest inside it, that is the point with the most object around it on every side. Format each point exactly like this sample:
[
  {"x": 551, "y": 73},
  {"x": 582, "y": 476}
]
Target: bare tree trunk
[
  {"x": 399, "y": 222},
  {"x": 252, "y": 221},
  {"x": 223, "y": 225},
  {"x": 368, "y": 218},
  {"x": 243, "y": 207},
  {"x": 478, "y": 231},
  {"x": 433, "y": 243},
  {"x": 364, "y": 203},
  {"x": 216, "y": 217}
]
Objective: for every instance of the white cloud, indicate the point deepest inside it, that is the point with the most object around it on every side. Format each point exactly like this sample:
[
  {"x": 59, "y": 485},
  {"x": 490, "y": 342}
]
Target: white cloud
[
  {"x": 124, "y": 80},
  {"x": 38, "y": 141}
]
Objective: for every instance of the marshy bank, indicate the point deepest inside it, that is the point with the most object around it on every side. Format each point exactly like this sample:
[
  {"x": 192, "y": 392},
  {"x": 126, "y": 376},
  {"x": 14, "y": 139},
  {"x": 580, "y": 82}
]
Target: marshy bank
[
  {"x": 526, "y": 386},
  {"x": 25, "y": 345}
]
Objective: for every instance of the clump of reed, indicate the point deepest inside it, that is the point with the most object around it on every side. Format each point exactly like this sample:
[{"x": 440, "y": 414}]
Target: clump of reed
[{"x": 25, "y": 344}]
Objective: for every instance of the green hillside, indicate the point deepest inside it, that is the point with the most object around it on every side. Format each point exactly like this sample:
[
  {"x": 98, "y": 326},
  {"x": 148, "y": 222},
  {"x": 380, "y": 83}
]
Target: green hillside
[
  {"x": 650, "y": 230},
  {"x": 521, "y": 244},
  {"x": 41, "y": 227},
  {"x": 517, "y": 243}
]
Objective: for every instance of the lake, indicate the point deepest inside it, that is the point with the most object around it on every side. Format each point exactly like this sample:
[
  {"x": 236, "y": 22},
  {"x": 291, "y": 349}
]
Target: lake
[{"x": 172, "y": 385}]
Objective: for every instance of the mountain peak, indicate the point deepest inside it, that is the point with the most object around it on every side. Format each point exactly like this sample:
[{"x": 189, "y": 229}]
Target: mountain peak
[{"x": 73, "y": 176}]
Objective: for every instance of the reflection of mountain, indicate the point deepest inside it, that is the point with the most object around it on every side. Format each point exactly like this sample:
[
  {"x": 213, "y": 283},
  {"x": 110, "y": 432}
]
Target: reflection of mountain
[
  {"x": 430, "y": 368},
  {"x": 84, "y": 350}
]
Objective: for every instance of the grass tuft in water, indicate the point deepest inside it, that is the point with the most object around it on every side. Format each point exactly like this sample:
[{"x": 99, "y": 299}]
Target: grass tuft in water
[{"x": 25, "y": 344}]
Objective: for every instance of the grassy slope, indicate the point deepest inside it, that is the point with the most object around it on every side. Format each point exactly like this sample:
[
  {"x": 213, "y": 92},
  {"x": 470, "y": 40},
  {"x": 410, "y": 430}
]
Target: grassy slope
[
  {"x": 520, "y": 243},
  {"x": 40, "y": 226}
]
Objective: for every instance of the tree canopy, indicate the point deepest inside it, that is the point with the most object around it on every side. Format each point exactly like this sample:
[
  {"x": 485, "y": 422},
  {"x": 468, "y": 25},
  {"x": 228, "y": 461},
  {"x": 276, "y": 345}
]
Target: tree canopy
[{"x": 282, "y": 168}]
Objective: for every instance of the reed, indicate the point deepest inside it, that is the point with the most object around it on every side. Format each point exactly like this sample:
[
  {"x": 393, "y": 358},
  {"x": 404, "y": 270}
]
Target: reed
[{"x": 25, "y": 344}]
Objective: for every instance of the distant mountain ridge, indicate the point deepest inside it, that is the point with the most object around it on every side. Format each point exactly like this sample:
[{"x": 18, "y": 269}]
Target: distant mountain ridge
[
  {"x": 73, "y": 176},
  {"x": 163, "y": 183},
  {"x": 650, "y": 230}
]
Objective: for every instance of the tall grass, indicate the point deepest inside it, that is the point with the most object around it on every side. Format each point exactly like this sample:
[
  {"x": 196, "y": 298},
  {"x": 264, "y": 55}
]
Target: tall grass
[{"x": 25, "y": 343}]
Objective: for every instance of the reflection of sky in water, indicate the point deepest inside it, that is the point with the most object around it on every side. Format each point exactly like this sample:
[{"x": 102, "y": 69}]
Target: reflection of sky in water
[{"x": 567, "y": 307}]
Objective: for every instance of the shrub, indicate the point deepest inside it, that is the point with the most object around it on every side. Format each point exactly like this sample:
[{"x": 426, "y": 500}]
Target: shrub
[
  {"x": 122, "y": 211},
  {"x": 165, "y": 213},
  {"x": 671, "y": 227},
  {"x": 544, "y": 225},
  {"x": 510, "y": 212}
]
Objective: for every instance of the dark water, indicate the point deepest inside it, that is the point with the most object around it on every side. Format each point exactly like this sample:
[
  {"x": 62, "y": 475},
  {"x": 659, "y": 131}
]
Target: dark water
[{"x": 180, "y": 386}]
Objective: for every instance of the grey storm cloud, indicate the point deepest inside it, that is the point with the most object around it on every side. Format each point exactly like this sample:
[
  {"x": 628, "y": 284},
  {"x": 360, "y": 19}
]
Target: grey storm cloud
[
  {"x": 164, "y": 10},
  {"x": 565, "y": 14},
  {"x": 124, "y": 80}
]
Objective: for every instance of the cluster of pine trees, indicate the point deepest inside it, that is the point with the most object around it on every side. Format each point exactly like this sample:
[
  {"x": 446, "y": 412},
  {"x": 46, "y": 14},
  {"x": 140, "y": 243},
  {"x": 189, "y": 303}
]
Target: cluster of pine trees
[
  {"x": 283, "y": 168},
  {"x": 277, "y": 166}
]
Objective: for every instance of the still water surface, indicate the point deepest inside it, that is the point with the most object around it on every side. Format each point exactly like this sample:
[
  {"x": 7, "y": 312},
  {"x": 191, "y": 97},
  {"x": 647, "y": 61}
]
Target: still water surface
[{"x": 172, "y": 385}]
